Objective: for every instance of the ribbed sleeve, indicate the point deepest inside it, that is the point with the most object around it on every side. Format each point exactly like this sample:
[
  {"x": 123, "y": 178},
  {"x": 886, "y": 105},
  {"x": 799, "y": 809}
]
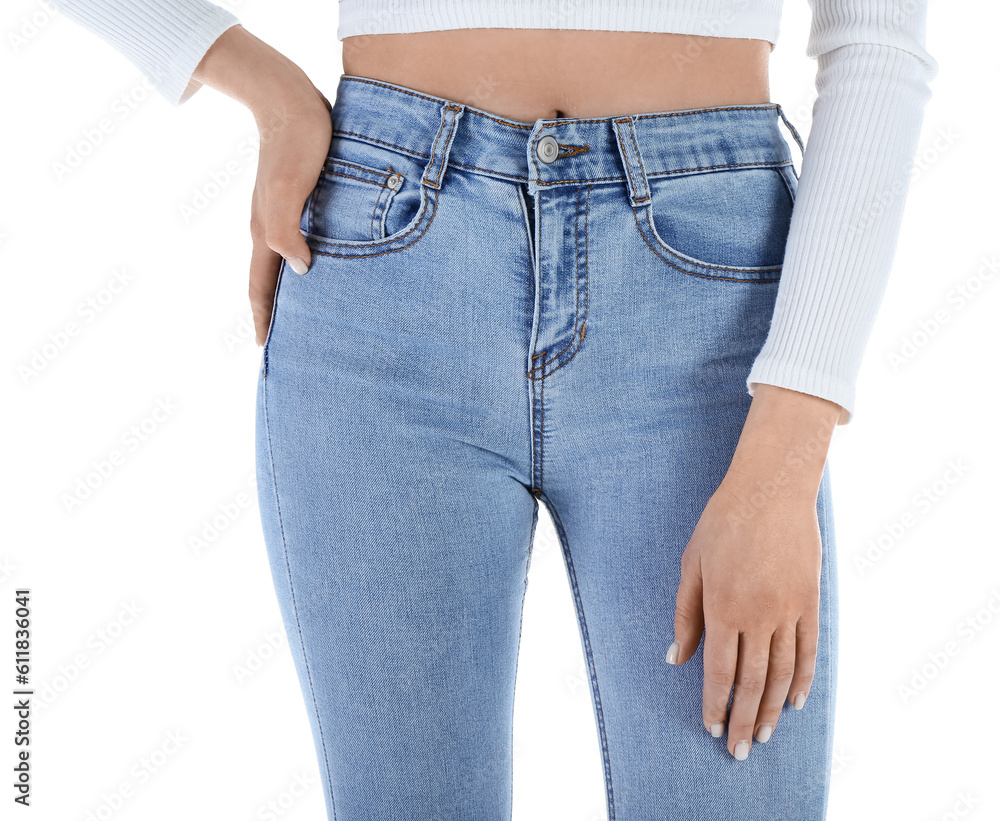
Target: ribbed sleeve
[
  {"x": 165, "y": 39},
  {"x": 872, "y": 85}
]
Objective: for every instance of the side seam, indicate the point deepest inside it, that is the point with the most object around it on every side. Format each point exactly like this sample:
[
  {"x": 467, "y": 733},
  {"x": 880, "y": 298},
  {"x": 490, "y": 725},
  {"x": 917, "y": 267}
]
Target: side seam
[{"x": 298, "y": 627}]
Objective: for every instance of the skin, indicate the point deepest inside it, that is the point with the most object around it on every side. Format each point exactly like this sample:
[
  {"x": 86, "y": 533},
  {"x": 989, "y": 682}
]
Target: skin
[{"x": 750, "y": 572}]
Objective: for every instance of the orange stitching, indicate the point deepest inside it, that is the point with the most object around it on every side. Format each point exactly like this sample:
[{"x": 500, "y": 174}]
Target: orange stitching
[
  {"x": 379, "y": 208},
  {"x": 340, "y": 132},
  {"x": 492, "y": 172},
  {"x": 576, "y": 260},
  {"x": 706, "y": 265},
  {"x": 434, "y": 156},
  {"x": 423, "y": 211},
  {"x": 638, "y": 157},
  {"x": 577, "y": 315},
  {"x": 666, "y": 174},
  {"x": 333, "y": 161},
  {"x": 580, "y": 342},
  {"x": 788, "y": 185},
  {"x": 454, "y": 122},
  {"x": 541, "y": 435},
  {"x": 353, "y": 177},
  {"x": 541, "y": 432},
  {"x": 560, "y": 365}
]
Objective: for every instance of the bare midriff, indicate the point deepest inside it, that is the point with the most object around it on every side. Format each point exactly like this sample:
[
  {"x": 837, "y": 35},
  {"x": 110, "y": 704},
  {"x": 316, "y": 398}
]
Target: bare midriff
[{"x": 528, "y": 74}]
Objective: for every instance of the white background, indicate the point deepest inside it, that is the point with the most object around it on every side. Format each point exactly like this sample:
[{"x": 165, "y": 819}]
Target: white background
[{"x": 112, "y": 688}]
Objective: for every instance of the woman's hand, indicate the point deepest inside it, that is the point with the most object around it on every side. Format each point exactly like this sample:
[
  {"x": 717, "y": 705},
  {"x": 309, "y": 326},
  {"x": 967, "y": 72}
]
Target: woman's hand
[
  {"x": 293, "y": 120},
  {"x": 750, "y": 574},
  {"x": 752, "y": 584}
]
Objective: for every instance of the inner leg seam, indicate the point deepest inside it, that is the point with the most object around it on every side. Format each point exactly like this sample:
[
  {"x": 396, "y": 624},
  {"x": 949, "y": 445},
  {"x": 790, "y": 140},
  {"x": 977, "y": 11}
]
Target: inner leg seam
[
  {"x": 520, "y": 630},
  {"x": 602, "y": 732}
]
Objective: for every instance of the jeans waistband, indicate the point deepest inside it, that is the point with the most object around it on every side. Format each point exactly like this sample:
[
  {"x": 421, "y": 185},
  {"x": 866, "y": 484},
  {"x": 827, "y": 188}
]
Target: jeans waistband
[{"x": 614, "y": 149}]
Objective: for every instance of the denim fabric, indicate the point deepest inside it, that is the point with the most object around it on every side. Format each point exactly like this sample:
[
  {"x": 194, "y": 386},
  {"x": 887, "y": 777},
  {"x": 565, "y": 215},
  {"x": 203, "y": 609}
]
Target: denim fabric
[{"x": 481, "y": 331}]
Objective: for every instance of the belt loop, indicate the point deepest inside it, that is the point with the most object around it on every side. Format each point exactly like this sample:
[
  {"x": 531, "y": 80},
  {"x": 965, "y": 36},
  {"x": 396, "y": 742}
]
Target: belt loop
[
  {"x": 791, "y": 128},
  {"x": 631, "y": 158},
  {"x": 433, "y": 173}
]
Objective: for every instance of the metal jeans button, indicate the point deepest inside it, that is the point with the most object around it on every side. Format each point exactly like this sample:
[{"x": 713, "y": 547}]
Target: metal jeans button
[{"x": 547, "y": 149}]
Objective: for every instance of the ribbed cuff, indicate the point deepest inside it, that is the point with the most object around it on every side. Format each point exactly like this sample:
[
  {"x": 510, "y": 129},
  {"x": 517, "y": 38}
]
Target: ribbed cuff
[{"x": 164, "y": 39}]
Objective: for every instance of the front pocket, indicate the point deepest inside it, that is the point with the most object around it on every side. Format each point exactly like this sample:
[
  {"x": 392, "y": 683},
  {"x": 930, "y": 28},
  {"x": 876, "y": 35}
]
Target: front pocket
[
  {"x": 357, "y": 209},
  {"x": 351, "y": 202},
  {"x": 728, "y": 223}
]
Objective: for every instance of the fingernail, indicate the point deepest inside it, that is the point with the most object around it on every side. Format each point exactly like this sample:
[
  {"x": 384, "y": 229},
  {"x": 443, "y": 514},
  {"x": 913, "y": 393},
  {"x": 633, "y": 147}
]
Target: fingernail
[
  {"x": 672, "y": 652},
  {"x": 298, "y": 265},
  {"x": 717, "y": 729},
  {"x": 800, "y": 699},
  {"x": 742, "y": 751},
  {"x": 764, "y": 733}
]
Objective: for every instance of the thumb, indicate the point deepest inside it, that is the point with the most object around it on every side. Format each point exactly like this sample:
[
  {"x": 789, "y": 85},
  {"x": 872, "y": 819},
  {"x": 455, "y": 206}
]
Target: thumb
[
  {"x": 285, "y": 238},
  {"x": 689, "y": 618},
  {"x": 283, "y": 207}
]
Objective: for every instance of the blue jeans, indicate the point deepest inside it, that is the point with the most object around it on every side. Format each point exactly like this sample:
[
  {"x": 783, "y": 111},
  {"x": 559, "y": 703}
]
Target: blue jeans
[{"x": 500, "y": 313}]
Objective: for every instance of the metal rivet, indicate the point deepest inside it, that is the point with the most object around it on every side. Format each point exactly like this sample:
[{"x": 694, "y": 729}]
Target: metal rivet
[
  {"x": 394, "y": 181},
  {"x": 547, "y": 149}
]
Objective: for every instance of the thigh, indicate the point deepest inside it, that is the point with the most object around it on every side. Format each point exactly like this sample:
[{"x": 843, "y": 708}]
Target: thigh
[
  {"x": 641, "y": 427},
  {"x": 392, "y": 450},
  {"x": 622, "y": 543}
]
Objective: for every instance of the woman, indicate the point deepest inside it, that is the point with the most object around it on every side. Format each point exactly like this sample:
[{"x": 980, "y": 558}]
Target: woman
[{"x": 550, "y": 253}]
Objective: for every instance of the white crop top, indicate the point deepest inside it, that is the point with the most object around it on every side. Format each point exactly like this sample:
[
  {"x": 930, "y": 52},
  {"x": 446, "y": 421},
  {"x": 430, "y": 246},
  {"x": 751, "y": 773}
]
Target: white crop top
[{"x": 872, "y": 83}]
